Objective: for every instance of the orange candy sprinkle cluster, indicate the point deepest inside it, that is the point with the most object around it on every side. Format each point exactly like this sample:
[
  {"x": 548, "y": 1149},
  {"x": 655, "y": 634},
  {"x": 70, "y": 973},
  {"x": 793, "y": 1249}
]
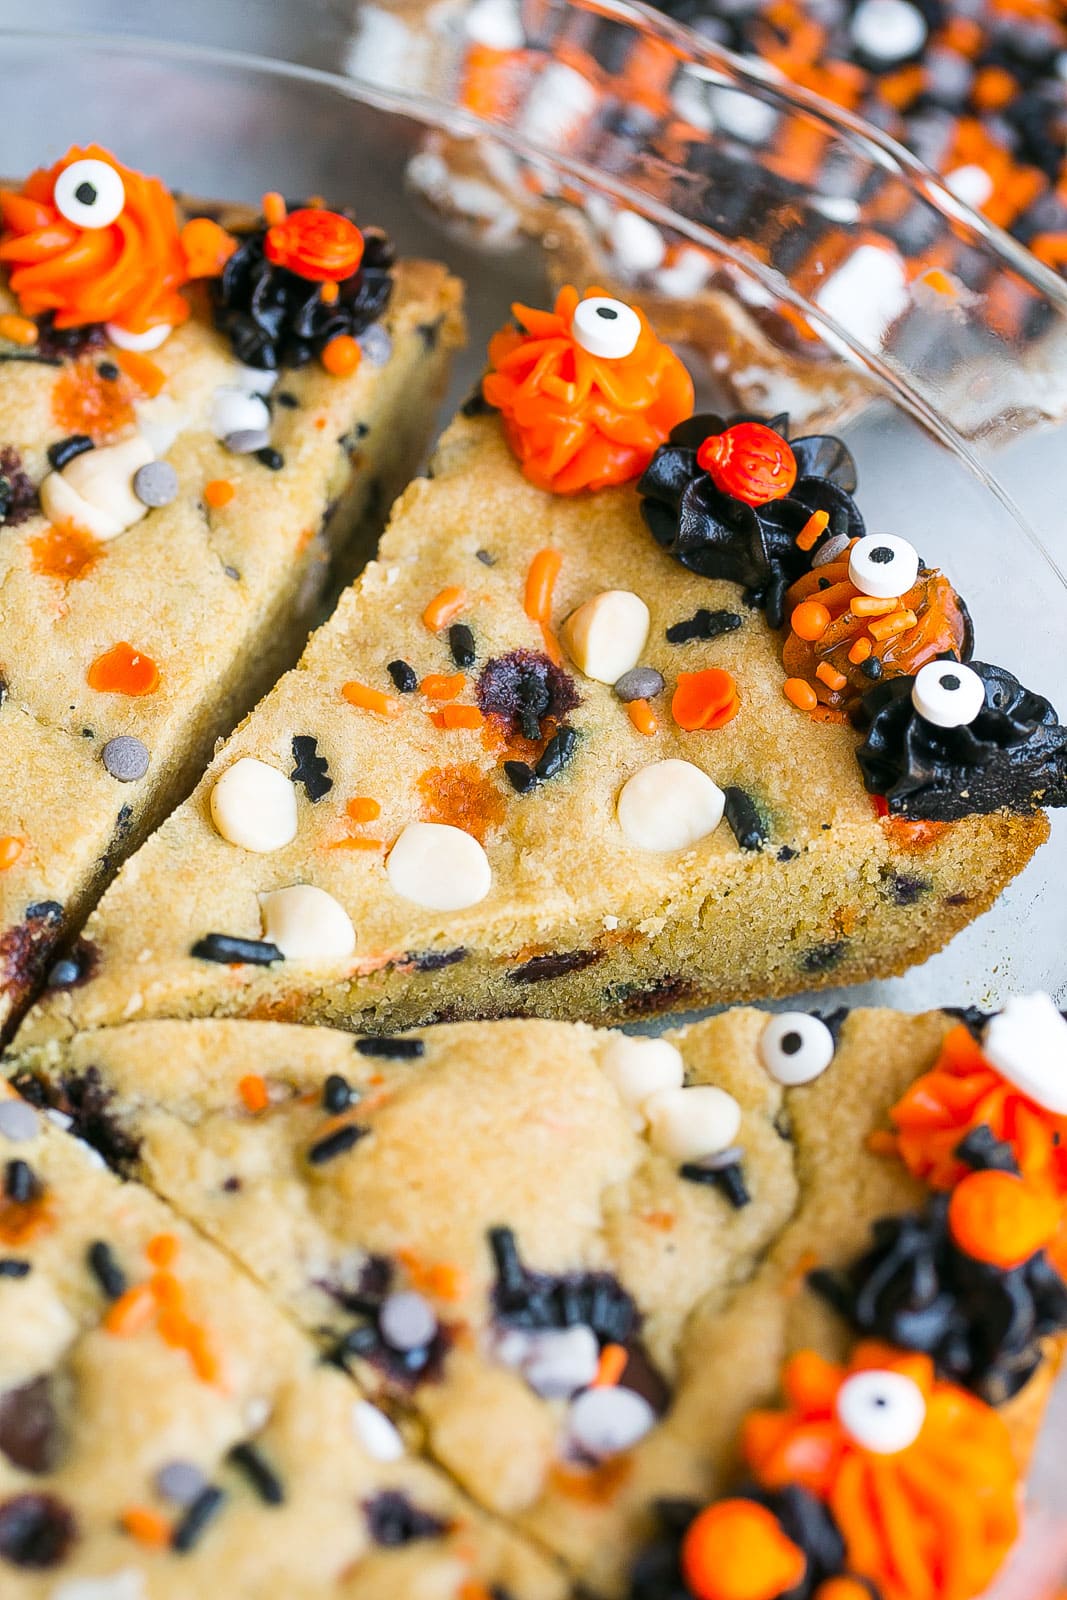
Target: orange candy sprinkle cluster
[
  {"x": 578, "y": 421},
  {"x": 160, "y": 1302}
]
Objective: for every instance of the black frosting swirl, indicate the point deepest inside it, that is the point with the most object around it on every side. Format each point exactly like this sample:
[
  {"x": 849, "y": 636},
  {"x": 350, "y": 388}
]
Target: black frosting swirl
[
  {"x": 1013, "y": 754},
  {"x": 982, "y": 1326},
  {"x": 657, "y": 1572},
  {"x": 719, "y": 536},
  {"x": 273, "y": 318}
]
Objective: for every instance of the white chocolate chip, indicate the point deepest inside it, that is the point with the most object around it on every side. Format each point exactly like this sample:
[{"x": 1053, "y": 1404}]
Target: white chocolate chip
[
  {"x": 255, "y": 380},
  {"x": 638, "y": 1068},
  {"x": 94, "y": 491},
  {"x": 307, "y": 924},
  {"x": 254, "y": 805},
  {"x": 605, "y": 1422},
  {"x": 496, "y": 24},
  {"x": 637, "y": 244},
  {"x": 669, "y": 805},
  {"x": 440, "y": 867},
  {"x": 1027, "y": 1043},
  {"x": 378, "y": 1435},
  {"x": 560, "y": 1361},
  {"x": 234, "y": 410},
  {"x": 686, "y": 1124},
  {"x": 151, "y": 339},
  {"x": 605, "y": 636},
  {"x": 971, "y": 184},
  {"x": 888, "y": 30},
  {"x": 127, "y": 1584}
]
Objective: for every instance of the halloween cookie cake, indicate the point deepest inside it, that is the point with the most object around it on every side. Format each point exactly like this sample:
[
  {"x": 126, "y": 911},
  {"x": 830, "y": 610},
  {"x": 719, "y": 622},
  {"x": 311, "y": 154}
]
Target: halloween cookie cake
[
  {"x": 198, "y": 408},
  {"x": 631, "y": 712},
  {"x": 764, "y": 1309}
]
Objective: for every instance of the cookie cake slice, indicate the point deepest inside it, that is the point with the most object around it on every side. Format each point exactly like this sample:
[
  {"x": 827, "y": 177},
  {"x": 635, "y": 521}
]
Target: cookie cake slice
[
  {"x": 580, "y": 745},
  {"x": 194, "y": 420},
  {"x": 164, "y": 1429},
  {"x": 582, "y": 1264}
]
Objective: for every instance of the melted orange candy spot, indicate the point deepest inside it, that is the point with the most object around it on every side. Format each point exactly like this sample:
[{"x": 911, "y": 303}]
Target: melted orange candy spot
[
  {"x": 936, "y": 1518},
  {"x": 218, "y": 492},
  {"x": 124, "y": 670},
  {"x": 64, "y": 552},
  {"x": 128, "y": 272},
  {"x": 450, "y": 717},
  {"x": 578, "y": 421},
  {"x": 84, "y": 402},
  {"x": 11, "y": 847},
  {"x": 253, "y": 1091},
  {"x": 705, "y": 699},
  {"x": 462, "y": 796},
  {"x": 23, "y": 1220},
  {"x": 361, "y": 808},
  {"x": 146, "y": 1525},
  {"x": 1003, "y": 1219},
  {"x": 206, "y": 246},
  {"x": 443, "y": 686},
  {"x": 736, "y": 1550}
]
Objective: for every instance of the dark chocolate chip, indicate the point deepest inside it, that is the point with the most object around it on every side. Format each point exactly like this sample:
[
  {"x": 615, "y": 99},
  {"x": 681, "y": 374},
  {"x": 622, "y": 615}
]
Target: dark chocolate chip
[
  {"x": 269, "y": 457},
  {"x": 29, "y": 1426},
  {"x": 249, "y": 1459},
  {"x": 393, "y": 1520},
  {"x": 20, "y": 1182},
  {"x": 336, "y": 1143},
  {"x": 435, "y": 960},
  {"x": 64, "y": 450},
  {"x": 336, "y": 1094},
  {"x": 521, "y": 776},
  {"x": 36, "y": 1530},
  {"x": 704, "y": 625},
  {"x": 12, "y": 1267},
  {"x": 539, "y": 969},
  {"x": 392, "y": 1049},
  {"x": 744, "y": 820},
  {"x": 461, "y": 644},
  {"x": 105, "y": 1269},
  {"x": 730, "y": 1181},
  {"x": 821, "y": 957},
  {"x": 231, "y": 951},
  {"x": 193, "y": 1525},
  {"x": 557, "y": 754},
  {"x": 405, "y": 678}
]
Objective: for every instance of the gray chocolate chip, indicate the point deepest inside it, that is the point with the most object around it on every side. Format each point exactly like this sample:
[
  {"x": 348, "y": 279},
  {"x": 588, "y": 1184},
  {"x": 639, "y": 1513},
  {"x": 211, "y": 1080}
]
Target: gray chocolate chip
[
  {"x": 180, "y": 1481},
  {"x": 156, "y": 483},
  {"x": 830, "y": 550},
  {"x": 246, "y": 441},
  {"x": 376, "y": 345},
  {"x": 640, "y": 683},
  {"x": 406, "y": 1321},
  {"x": 18, "y": 1121},
  {"x": 126, "y": 758}
]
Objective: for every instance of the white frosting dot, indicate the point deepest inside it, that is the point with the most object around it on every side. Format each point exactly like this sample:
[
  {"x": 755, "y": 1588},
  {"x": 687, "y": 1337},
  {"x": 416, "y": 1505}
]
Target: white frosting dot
[
  {"x": 637, "y": 244},
  {"x": 378, "y": 1435},
  {"x": 1027, "y": 1043},
  {"x": 888, "y": 30},
  {"x": 669, "y": 805},
  {"x": 254, "y": 805},
  {"x": 605, "y": 636},
  {"x": 307, "y": 924},
  {"x": 796, "y": 1047},
  {"x": 128, "y": 1584},
  {"x": 557, "y": 1362},
  {"x": 235, "y": 410},
  {"x": 971, "y": 184},
  {"x": 883, "y": 1411},
  {"x": 151, "y": 339},
  {"x": 496, "y": 24},
  {"x": 686, "y": 1124},
  {"x": 439, "y": 867}
]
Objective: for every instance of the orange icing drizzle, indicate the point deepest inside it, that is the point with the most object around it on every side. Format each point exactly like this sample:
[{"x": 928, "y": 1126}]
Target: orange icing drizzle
[
  {"x": 124, "y": 670},
  {"x": 128, "y": 272},
  {"x": 462, "y": 796},
  {"x": 931, "y": 1522},
  {"x": 963, "y": 1091},
  {"x": 827, "y": 657},
  {"x": 578, "y": 421}
]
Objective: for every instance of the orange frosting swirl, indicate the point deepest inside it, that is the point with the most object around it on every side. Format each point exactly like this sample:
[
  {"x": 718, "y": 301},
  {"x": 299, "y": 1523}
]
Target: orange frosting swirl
[
  {"x": 578, "y": 421},
  {"x": 933, "y": 1521},
  {"x": 128, "y": 272}
]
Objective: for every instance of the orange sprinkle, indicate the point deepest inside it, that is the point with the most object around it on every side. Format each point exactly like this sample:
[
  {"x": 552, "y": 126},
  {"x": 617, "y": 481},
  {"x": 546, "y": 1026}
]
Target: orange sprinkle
[
  {"x": 206, "y": 1363},
  {"x": 810, "y": 620},
  {"x": 736, "y": 1550},
  {"x": 443, "y": 686},
  {"x": 815, "y": 526},
  {"x": 273, "y": 207},
  {"x": 11, "y": 847},
  {"x": 868, "y": 605},
  {"x": 342, "y": 355},
  {"x": 551, "y": 644},
  {"x": 141, "y": 371},
  {"x": 993, "y": 88},
  {"x": 145, "y": 1525},
  {"x": 828, "y": 674},
  {"x": 842, "y": 1589},
  {"x": 357, "y": 842},
  {"x": 174, "y": 1326},
  {"x": 705, "y": 699},
  {"x": 896, "y": 622},
  {"x": 1002, "y": 1218},
  {"x": 166, "y": 1290},
  {"x": 131, "y": 1312},
  {"x": 540, "y": 584},
  {"x": 162, "y": 1249},
  {"x": 939, "y": 282},
  {"x": 20, "y": 330},
  {"x": 444, "y": 608},
  {"x": 65, "y": 552},
  {"x": 328, "y": 294},
  {"x": 218, "y": 492},
  {"x": 610, "y": 1367},
  {"x": 124, "y": 670},
  {"x": 643, "y": 717},
  {"x": 206, "y": 246},
  {"x": 361, "y": 808},
  {"x": 662, "y": 1221},
  {"x": 253, "y": 1091},
  {"x": 365, "y": 698},
  {"x": 800, "y": 694},
  {"x": 457, "y": 717},
  {"x": 860, "y": 651}
]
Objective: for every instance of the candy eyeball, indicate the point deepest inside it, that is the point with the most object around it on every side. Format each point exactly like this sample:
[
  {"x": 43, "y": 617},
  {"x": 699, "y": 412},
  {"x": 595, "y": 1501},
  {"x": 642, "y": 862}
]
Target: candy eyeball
[
  {"x": 883, "y": 566},
  {"x": 948, "y": 694},
  {"x": 795, "y": 1047},
  {"x": 89, "y": 193},
  {"x": 883, "y": 1411},
  {"x": 605, "y": 327}
]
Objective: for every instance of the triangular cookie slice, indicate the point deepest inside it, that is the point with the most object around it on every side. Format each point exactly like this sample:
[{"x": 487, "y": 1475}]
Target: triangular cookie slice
[
  {"x": 578, "y": 747},
  {"x": 579, "y": 1259},
  {"x": 181, "y": 460},
  {"x": 164, "y": 1429}
]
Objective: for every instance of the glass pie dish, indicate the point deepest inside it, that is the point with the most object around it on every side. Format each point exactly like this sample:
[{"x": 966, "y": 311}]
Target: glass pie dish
[{"x": 949, "y": 405}]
